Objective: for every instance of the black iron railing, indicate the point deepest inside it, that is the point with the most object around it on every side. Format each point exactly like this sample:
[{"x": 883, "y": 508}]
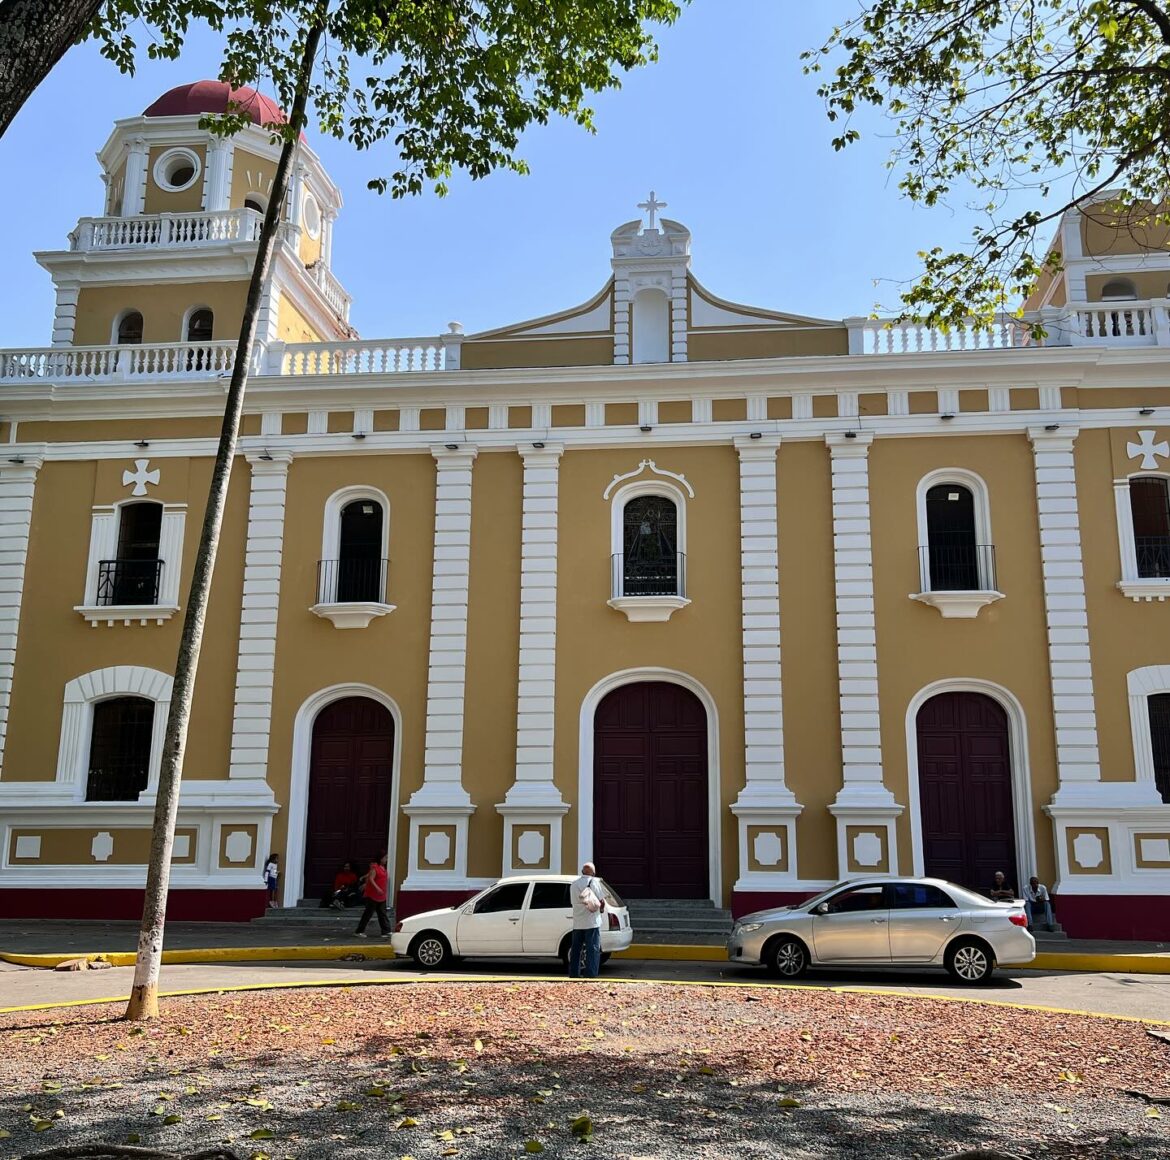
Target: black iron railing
[
  {"x": 1153, "y": 556},
  {"x": 957, "y": 567},
  {"x": 351, "y": 581},
  {"x": 129, "y": 581},
  {"x": 665, "y": 576},
  {"x": 116, "y": 781}
]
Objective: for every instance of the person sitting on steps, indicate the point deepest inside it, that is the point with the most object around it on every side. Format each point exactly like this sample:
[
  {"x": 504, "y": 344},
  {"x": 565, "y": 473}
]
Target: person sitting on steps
[{"x": 1038, "y": 904}]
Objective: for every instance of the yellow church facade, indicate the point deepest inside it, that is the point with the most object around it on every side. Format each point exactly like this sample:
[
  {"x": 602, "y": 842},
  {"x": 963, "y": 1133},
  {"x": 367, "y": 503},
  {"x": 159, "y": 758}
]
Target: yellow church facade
[{"x": 734, "y": 602}]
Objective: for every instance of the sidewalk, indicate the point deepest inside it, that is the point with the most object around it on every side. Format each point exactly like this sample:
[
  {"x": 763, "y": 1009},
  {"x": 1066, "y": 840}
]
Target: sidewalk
[{"x": 280, "y": 942}]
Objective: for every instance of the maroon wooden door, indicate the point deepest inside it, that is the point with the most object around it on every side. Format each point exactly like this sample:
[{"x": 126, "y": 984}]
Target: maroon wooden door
[
  {"x": 350, "y": 771},
  {"x": 965, "y": 790},
  {"x": 650, "y": 791}
]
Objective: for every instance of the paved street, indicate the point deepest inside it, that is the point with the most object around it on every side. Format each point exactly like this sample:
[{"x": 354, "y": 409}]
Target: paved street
[{"x": 1137, "y": 996}]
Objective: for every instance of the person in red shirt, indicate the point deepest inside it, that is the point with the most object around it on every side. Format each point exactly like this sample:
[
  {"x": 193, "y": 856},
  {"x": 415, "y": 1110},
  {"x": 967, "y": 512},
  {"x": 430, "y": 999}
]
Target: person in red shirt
[
  {"x": 374, "y": 892},
  {"x": 346, "y": 889}
]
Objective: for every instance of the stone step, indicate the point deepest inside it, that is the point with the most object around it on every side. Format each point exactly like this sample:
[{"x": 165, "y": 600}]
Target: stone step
[
  {"x": 671, "y": 903},
  {"x": 641, "y": 922},
  {"x": 302, "y": 916}
]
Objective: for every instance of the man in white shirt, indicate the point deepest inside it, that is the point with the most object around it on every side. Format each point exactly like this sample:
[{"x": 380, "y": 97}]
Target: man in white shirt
[
  {"x": 1037, "y": 903},
  {"x": 586, "y": 925}
]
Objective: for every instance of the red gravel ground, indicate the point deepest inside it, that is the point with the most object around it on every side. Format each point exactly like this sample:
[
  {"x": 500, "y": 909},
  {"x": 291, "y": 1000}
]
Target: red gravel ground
[{"x": 481, "y": 1069}]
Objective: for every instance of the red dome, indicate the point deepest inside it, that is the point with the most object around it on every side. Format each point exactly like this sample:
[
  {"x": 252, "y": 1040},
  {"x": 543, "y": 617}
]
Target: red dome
[{"x": 212, "y": 97}]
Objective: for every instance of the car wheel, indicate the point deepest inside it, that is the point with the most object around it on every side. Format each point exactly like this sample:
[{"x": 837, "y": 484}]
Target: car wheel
[
  {"x": 787, "y": 958},
  {"x": 563, "y": 951},
  {"x": 431, "y": 951},
  {"x": 970, "y": 962}
]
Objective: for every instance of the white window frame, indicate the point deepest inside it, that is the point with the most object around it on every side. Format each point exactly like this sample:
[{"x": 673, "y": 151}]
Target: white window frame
[
  {"x": 117, "y": 323},
  {"x": 352, "y": 614},
  {"x": 187, "y": 316},
  {"x": 647, "y": 608},
  {"x": 103, "y": 545},
  {"x": 962, "y": 605},
  {"x": 165, "y": 158},
  {"x": 1141, "y": 684},
  {"x": 1136, "y": 587},
  {"x": 85, "y": 691}
]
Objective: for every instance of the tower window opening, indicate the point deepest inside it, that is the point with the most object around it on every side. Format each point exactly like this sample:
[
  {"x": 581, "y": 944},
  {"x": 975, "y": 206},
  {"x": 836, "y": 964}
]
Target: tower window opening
[{"x": 129, "y": 332}]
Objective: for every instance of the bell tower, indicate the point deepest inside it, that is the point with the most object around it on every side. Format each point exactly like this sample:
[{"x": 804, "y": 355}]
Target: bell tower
[{"x": 169, "y": 260}]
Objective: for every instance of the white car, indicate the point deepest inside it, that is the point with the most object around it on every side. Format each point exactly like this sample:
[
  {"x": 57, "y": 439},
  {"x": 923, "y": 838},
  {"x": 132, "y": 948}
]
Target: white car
[
  {"x": 887, "y": 922},
  {"x": 521, "y": 917}
]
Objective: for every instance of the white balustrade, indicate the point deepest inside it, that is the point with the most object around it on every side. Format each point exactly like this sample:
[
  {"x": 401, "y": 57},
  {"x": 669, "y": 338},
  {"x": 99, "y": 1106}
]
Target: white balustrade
[
  {"x": 1118, "y": 324},
  {"x": 376, "y": 357},
  {"x": 332, "y": 290},
  {"x": 91, "y": 363},
  {"x": 149, "y": 231},
  {"x": 882, "y": 336}
]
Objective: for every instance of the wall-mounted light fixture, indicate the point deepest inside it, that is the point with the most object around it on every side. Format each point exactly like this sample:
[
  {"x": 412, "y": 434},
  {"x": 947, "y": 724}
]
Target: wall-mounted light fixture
[
  {"x": 142, "y": 443},
  {"x": 266, "y": 457},
  {"x": 451, "y": 446},
  {"x": 850, "y": 434},
  {"x": 1146, "y": 411},
  {"x": 756, "y": 435},
  {"x": 359, "y": 435},
  {"x": 645, "y": 427},
  {"x": 1052, "y": 427},
  {"x": 16, "y": 459},
  {"x": 947, "y": 415},
  {"x": 538, "y": 446}
]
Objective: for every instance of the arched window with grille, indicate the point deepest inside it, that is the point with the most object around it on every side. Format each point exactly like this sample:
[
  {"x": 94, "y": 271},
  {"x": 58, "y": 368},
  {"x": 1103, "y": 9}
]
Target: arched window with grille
[
  {"x": 650, "y": 563},
  {"x": 1149, "y": 505},
  {"x": 360, "y": 565},
  {"x": 1118, "y": 290},
  {"x": 200, "y": 323},
  {"x": 119, "y": 749},
  {"x": 128, "y": 331},
  {"x": 955, "y": 552},
  {"x": 133, "y": 577}
]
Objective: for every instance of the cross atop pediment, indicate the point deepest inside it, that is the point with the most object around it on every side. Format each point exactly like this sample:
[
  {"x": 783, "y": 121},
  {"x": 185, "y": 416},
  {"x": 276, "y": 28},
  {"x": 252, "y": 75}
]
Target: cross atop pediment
[{"x": 651, "y": 206}]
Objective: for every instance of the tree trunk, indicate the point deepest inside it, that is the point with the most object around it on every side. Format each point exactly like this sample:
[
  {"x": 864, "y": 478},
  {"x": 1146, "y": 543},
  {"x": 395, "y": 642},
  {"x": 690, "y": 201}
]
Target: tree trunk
[
  {"x": 34, "y": 35},
  {"x": 144, "y": 997}
]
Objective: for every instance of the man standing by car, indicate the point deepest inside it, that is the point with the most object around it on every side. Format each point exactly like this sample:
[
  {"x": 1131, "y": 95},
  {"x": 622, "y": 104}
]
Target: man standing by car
[{"x": 588, "y": 907}]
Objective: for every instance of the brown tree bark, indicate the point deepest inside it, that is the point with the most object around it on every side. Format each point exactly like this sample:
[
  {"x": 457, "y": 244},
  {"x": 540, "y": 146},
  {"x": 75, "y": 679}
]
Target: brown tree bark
[
  {"x": 34, "y": 35},
  {"x": 144, "y": 996}
]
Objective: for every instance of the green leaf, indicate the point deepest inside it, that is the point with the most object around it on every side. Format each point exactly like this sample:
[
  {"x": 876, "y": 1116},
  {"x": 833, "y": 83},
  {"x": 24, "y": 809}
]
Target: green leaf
[
  {"x": 788, "y": 1102},
  {"x": 533, "y": 1146}
]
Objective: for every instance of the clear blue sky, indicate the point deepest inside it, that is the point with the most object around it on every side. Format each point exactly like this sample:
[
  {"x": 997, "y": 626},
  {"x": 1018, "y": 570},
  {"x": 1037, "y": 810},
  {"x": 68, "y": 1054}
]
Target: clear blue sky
[{"x": 725, "y": 128}]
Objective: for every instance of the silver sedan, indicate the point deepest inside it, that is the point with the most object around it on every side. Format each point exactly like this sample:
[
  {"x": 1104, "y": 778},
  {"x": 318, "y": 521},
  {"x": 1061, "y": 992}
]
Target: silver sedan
[{"x": 887, "y": 922}]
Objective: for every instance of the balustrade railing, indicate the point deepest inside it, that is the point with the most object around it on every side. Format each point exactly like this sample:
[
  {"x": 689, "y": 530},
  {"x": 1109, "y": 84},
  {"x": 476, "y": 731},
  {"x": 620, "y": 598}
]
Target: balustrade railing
[
  {"x": 1128, "y": 323},
  {"x": 881, "y": 336},
  {"x": 147, "y": 231},
  {"x": 351, "y": 581},
  {"x": 633, "y": 576},
  {"x": 128, "y": 581},
  {"x": 951, "y": 567},
  {"x": 160, "y": 360},
  {"x": 331, "y": 289},
  {"x": 387, "y": 356}
]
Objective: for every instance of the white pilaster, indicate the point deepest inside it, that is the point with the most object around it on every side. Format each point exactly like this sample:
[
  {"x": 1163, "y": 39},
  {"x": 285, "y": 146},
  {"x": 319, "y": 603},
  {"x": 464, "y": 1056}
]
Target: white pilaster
[
  {"x": 65, "y": 313},
  {"x": 17, "y": 484},
  {"x": 134, "y": 185},
  {"x": 216, "y": 188},
  {"x": 441, "y": 805},
  {"x": 256, "y": 663},
  {"x": 766, "y": 808},
  {"x": 533, "y": 807},
  {"x": 296, "y": 201},
  {"x": 328, "y": 217},
  {"x": 1078, "y": 761},
  {"x": 864, "y": 808}
]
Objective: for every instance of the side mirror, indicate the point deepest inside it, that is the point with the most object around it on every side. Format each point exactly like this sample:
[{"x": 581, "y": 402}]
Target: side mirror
[
  {"x": 469, "y": 908},
  {"x": 823, "y": 908}
]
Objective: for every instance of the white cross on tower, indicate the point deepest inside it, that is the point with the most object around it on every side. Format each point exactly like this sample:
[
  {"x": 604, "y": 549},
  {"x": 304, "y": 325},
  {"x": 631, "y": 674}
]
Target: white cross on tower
[
  {"x": 141, "y": 477},
  {"x": 1148, "y": 450},
  {"x": 652, "y": 206}
]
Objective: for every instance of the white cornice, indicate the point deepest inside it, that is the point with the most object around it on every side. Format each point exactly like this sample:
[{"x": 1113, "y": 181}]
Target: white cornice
[{"x": 228, "y": 261}]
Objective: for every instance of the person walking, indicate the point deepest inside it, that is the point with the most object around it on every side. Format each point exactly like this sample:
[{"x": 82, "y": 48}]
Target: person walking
[
  {"x": 588, "y": 908},
  {"x": 374, "y": 892}
]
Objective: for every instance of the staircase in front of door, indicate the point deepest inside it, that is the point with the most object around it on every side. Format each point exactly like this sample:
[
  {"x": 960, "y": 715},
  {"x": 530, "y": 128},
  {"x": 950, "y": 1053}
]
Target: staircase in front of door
[
  {"x": 310, "y": 914},
  {"x": 690, "y": 921}
]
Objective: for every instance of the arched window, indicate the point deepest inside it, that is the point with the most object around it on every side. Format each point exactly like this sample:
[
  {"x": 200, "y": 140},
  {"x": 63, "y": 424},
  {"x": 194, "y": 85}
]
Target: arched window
[
  {"x": 119, "y": 749},
  {"x": 253, "y": 202},
  {"x": 651, "y": 329},
  {"x": 955, "y": 549},
  {"x": 1149, "y": 503},
  {"x": 1118, "y": 290},
  {"x": 199, "y": 325},
  {"x": 650, "y": 563},
  {"x": 133, "y": 577},
  {"x": 129, "y": 329},
  {"x": 360, "y": 567}
]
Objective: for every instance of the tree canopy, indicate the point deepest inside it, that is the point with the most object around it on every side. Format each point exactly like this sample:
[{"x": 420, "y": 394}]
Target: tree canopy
[{"x": 991, "y": 99}]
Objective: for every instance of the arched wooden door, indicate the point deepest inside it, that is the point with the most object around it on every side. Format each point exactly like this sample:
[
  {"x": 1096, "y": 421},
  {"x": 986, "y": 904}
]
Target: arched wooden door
[
  {"x": 350, "y": 772},
  {"x": 650, "y": 791},
  {"x": 965, "y": 790}
]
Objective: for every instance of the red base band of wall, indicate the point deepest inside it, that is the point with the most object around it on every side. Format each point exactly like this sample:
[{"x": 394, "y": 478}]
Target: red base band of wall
[
  {"x": 411, "y": 902},
  {"x": 745, "y": 901},
  {"x": 1143, "y": 918},
  {"x": 182, "y": 905}
]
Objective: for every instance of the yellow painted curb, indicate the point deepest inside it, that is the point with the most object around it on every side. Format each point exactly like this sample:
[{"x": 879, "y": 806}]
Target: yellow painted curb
[
  {"x": 512, "y": 981},
  {"x": 1144, "y": 964}
]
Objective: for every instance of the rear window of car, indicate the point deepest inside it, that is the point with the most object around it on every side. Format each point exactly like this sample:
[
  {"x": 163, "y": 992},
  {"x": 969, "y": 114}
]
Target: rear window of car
[
  {"x": 550, "y": 896},
  {"x": 918, "y": 896},
  {"x": 612, "y": 897}
]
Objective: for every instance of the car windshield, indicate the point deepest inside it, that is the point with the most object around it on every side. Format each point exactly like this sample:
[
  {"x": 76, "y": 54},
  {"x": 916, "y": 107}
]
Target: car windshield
[{"x": 809, "y": 903}]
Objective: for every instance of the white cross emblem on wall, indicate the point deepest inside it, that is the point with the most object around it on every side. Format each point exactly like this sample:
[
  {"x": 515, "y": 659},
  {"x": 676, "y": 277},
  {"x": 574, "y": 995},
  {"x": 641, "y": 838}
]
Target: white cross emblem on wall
[
  {"x": 141, "y": 477},
  {"x": 1148, "y": 450}
]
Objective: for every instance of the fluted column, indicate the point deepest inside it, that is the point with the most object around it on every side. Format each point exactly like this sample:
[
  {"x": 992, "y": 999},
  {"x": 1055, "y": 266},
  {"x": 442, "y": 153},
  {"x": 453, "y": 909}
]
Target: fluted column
[
  {"x": 766, "y": 808},
  {"x": 17, "y": 484},
  {"x": 533, "y": 807},
  {"x": 439, "y": 809},
  {"x": 134, "y": 182},
  {"x": 865, "y": 808}
]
